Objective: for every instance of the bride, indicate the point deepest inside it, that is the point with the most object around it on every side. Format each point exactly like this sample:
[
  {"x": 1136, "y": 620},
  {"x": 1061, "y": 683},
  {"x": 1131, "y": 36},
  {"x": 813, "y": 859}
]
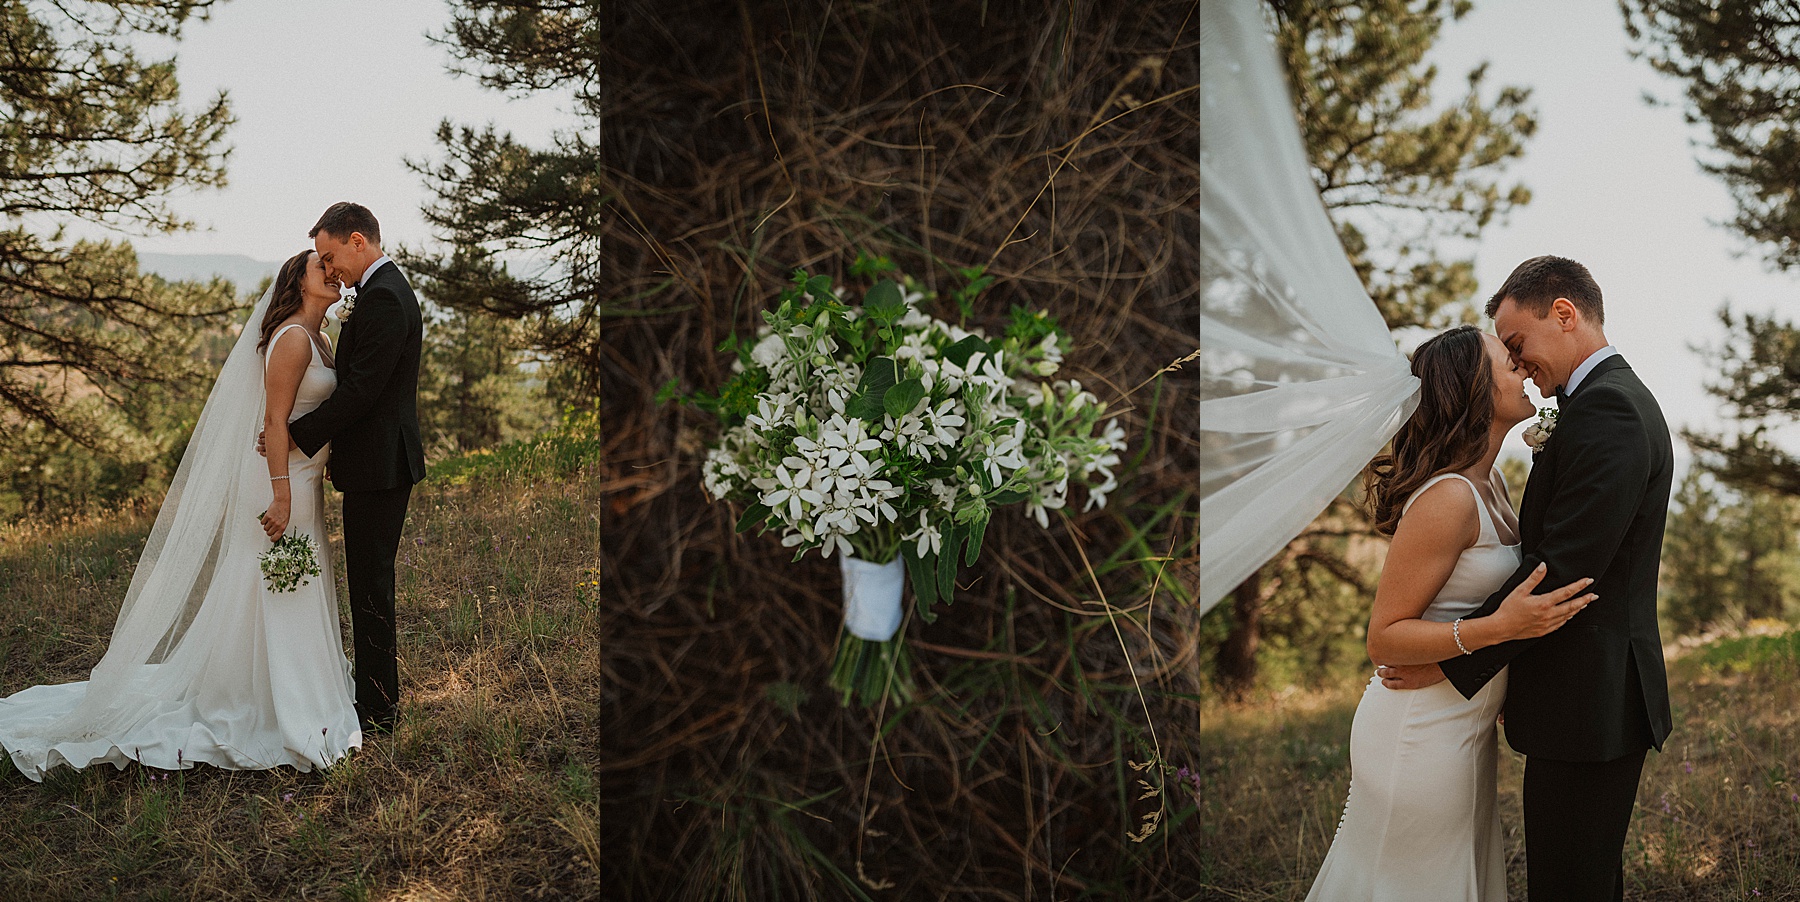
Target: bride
[
  {"x": 206, "y": 663},
  {"x": 1420, "y": 822}
]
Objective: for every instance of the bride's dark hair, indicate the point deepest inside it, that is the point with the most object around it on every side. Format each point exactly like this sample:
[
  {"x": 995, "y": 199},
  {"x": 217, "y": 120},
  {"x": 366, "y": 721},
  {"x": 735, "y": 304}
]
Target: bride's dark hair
[
  {"x": 290, "y": 293},
  {"x": 1448, "y": 431}
]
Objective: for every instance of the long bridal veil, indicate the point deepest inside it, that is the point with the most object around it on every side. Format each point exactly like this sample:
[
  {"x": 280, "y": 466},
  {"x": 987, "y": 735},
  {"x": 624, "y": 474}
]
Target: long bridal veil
[
  {"x": 209, "y": 515},
  {"x": 1301, "y": 383}
]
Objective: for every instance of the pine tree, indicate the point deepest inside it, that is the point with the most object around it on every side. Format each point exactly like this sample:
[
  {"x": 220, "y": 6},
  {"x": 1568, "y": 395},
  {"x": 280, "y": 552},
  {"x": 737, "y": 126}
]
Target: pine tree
[
  {"x": 91, "y": 132},
  {"x": 1739, "y": 65},
  {"x": 1729, "y": 556},
  {"x": 1402, "y": 176}
]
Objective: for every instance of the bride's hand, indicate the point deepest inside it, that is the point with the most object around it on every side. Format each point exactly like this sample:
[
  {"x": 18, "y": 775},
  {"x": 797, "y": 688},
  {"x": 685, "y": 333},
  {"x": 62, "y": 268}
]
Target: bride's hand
[
  {"x": 275, "y": 519},
  {"x": 1530, "y": 616}
]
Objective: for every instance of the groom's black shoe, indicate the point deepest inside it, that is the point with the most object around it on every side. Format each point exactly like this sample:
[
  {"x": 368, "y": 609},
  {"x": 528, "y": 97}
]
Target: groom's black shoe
[{"x": 376, "y": 726}]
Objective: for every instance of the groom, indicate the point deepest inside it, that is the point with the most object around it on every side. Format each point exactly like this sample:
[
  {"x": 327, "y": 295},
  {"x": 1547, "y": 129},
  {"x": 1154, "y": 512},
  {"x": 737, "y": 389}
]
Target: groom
[
  {"x": 1585, "y": 703},
  {"x": 372, "y": 423}
]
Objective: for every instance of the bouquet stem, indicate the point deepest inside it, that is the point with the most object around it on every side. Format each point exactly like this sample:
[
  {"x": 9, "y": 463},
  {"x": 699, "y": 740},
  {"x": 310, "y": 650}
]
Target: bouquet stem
[{"x": 871, "y": 672}]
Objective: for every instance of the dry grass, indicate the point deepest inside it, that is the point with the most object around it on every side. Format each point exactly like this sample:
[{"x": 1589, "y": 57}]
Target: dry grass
[
  {"x": 1718, "y": 811},
  {"x": 1056, "y": 146},
  {"x": 486, "y": 791}
]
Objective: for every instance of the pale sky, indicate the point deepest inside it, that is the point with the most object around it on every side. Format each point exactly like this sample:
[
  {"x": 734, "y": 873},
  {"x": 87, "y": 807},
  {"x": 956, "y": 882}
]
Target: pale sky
[
  {"x": 331, "y": 97},
  {"x": 1616, "y": 185}
]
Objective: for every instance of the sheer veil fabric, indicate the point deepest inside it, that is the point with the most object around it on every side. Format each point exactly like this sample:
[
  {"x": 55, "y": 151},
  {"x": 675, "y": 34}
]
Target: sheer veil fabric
[
  {"x": 1301, "y": 383},
  {"x": 197, "y": 636}
]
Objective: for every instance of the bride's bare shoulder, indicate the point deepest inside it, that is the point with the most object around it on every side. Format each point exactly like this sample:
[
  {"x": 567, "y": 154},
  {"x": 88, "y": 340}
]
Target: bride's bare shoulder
[
  {"x": 1441, "y": 511},
  {"x": 289, "y": 346}
]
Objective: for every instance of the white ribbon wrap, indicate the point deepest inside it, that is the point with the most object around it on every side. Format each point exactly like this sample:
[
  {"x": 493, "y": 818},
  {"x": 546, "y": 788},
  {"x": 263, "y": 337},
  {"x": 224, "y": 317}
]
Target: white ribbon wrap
[{"x": 872, "y": 597}]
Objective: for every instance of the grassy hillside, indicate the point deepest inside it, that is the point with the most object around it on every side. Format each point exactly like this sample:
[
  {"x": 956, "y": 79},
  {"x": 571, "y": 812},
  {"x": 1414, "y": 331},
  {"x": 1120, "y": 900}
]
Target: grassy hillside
[
  {"x": 722, "y": 766},
  {"x": 485, "y": 791},
  {"x": 1718, "y": 811}
]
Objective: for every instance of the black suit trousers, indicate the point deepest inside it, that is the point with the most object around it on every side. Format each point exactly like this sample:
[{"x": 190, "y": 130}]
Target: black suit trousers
[
  {"x": 372, "y": 525},
  {"x": 1576, "y": 817}
]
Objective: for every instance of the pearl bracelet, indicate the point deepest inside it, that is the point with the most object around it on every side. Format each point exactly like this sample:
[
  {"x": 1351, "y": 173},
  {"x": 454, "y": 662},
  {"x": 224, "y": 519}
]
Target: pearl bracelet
[
  {"x": 1456, "y": 633},
  {"x": 273, "y": 478}
]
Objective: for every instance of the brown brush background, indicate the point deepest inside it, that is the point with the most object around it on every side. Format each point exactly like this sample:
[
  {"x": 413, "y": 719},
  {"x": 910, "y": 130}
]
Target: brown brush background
[{"x": 1055, "y": 143}]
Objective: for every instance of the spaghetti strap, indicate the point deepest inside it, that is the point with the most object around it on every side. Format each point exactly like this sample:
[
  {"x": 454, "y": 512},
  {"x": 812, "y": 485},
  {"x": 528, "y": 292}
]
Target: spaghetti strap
[
  {"x": 277, "y": 337},
  {"x": 1490, "y": 530}
]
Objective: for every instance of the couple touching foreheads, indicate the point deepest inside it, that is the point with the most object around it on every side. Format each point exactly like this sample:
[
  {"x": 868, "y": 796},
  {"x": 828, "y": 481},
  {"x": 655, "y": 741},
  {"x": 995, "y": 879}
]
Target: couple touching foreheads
[
  {"x": 1460, "y": 638},
  {"x": 208, "y": 661}
]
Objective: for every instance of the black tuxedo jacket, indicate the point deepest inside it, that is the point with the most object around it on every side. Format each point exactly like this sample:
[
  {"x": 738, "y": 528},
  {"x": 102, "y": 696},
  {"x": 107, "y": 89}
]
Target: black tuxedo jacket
[
  {"x": 1594, "y": 506},
  {"x": 372, "y": 419}
]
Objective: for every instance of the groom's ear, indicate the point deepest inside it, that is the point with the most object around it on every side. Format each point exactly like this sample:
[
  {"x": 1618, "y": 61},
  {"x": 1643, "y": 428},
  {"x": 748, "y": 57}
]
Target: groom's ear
[{"x": 1568, "y": 316}]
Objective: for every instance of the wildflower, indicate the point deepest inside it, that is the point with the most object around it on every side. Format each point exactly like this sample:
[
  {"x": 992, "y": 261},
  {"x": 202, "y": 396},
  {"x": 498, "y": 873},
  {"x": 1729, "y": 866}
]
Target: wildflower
[
  {"x": 929, "y": 538},
  {"x": 991, "y": 425}
]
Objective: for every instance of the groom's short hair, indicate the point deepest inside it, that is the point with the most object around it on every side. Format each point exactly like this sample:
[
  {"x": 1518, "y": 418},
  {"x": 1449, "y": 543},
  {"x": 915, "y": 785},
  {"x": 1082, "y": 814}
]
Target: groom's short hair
[
  {"x": 1536, "y": 284},
  {"x": 344, "y": 217}
]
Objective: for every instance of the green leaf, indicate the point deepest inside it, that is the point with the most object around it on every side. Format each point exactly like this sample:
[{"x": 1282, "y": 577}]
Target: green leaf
[
  {"x": 885, "y": 303},
  {"x": 753, "y": 515},
  {"x": 1029, "y": 326},
  {"x": 820, "y": 288},
  {"x": 977, "y": 530},
  {"x": 965, "y": 296},
  {"x": 870, "y": 265},
  {"x": 947, "y": 562},
  {"x": 923, "y": 572},
  {"x": 962, "y": 351},
  {"x": 902, "y": 398},
  {"x": 879, "y": 376},
  {"x": 670, "y": 391},
  {"x": 1010, "y": 496}
]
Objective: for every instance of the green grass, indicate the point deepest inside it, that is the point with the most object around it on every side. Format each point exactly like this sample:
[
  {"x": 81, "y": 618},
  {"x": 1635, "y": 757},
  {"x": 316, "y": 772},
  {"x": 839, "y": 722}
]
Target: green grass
[
  {"x": 1718, "y": 810},
  {"x": 559, "y": 452}
]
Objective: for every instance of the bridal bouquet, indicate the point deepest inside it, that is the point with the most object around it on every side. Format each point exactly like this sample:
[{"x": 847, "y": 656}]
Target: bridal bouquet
[
  {"x": 882, "y": 434},
  {"x": 289, "y": 563}
]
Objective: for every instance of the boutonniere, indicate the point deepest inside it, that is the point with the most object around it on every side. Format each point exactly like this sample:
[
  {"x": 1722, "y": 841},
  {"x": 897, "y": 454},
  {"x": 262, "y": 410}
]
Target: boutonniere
[
  {"x": 1538, "y": 433},
  {"x": 346, "y": 304}
]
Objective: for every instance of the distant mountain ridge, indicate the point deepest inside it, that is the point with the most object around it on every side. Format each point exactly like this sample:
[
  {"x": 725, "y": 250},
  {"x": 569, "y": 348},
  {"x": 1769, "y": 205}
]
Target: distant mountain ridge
[{"x": 244, "y": 272}]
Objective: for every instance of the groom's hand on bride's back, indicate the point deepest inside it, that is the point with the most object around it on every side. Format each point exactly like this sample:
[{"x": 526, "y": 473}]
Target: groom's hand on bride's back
[
  {"x": 262, "y": 447},
  {"x": 1410, "y": 676}
]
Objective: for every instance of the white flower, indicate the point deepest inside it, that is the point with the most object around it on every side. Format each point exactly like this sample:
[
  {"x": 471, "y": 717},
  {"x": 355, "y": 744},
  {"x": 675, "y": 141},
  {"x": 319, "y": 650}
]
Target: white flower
[
  {"x": 1036, "y": 506},
  {"x": 1006, "y": 453},
  {"x": 346, "y": 304},
  {"x": 792, "y": 486},
  {"x": 929, "y": 538},
  {"x": 772, "y": 411},
  {"x": 1537, "y": 435},
  {"x": 837, "y": 482},
  {"x": 718, "y": 471},
  {"x": 768, "y": 352},
  {"x": 1052, "y": 357},
  {"x": 944, "y": 421}
]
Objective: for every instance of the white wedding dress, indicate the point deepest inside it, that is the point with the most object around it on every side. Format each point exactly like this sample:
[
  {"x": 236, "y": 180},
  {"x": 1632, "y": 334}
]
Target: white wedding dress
[
  {"x": 206, "y": 663},
  {"x": 1420, "y": 824}
]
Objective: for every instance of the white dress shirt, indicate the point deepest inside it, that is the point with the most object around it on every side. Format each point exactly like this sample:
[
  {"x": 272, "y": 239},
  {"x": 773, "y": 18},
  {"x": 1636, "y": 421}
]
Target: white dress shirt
[
  {"x": 1581, "y": 372},
  {"x": 384, "y": 258}
]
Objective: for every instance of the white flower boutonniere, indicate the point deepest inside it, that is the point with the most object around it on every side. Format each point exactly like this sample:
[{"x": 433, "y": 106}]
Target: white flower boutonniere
[
  {"x": 1538, "y": 434},
  {"x": 346, "y": 304}
]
